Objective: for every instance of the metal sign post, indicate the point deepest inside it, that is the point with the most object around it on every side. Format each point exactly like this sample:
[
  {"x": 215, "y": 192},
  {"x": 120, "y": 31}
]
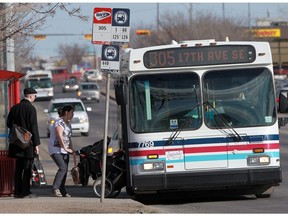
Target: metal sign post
[
  {"x": 111, "y": 27},
  {"x": 105, "y": 138},
  {"x": 109, "y": 63}
]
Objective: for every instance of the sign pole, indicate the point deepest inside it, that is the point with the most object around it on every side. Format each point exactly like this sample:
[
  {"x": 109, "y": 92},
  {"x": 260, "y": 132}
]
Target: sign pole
[
  {"x": 105, "y": 138},
  {"x": 110, "y": 28}
]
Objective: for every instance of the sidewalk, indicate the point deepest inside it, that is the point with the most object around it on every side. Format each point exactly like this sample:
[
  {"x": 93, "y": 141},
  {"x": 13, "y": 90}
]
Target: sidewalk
[{"x": 83, "y": 200}]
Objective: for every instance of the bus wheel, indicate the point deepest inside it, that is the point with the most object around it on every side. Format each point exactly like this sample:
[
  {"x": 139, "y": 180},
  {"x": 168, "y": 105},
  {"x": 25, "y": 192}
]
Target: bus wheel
[
  {"x": 264, "y": 191},
  {"x": 97, "y": 187},
  {"x": 85, "y": 134},
  {"x": 262, "y": 195}
]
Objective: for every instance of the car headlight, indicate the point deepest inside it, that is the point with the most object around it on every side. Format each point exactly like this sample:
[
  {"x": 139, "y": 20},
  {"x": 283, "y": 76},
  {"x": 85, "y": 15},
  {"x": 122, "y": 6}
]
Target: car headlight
[
  {"x": 153, "y": 166},
  {"x": 258, "y": 160},
  {"x": 83, "y": 119}
]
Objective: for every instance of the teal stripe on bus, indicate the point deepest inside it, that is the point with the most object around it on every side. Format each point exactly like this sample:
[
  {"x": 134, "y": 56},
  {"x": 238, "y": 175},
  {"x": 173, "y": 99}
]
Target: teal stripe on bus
[{"x": 201, "y": 158}]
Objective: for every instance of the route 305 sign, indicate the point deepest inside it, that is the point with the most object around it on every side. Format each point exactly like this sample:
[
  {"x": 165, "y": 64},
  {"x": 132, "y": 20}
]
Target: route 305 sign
[
  {"x": 110, "y": 58},
  {"x": 111, "y": 26}
]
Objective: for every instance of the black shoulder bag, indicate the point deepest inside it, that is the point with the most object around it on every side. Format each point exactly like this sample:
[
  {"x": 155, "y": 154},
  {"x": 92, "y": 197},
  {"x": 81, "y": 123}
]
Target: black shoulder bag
[{"x": 20, "y": 137}]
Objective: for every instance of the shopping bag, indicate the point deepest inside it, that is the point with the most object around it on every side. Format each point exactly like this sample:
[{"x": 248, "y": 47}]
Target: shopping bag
[
  {"x": 75, "y": 172},
  {"x": 20, "y": 137},
  {"x": 38, "y": 174}
]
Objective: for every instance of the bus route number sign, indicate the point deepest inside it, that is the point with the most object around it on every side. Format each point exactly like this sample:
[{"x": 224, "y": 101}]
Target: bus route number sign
[
  {"x": 111, "y": 26},
  {"x": 199, "y": 56}
]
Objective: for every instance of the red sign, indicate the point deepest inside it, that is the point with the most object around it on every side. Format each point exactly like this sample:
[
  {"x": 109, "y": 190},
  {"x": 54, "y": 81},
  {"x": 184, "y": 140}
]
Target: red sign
[{"x": 102, "y": 16}]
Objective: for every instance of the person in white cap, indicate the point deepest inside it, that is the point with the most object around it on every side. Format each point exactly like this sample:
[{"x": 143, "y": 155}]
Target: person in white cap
[{"x": 24, "y": 115}]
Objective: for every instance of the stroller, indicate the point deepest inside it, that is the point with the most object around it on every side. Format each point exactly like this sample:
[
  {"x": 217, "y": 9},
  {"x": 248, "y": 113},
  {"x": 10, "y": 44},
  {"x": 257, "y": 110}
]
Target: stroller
[{"x": 91, "y": 165}]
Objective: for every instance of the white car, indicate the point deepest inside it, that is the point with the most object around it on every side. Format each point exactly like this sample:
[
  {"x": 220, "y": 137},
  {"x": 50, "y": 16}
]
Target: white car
[
  {"x": 93, "y": 75},
  {"x": 80, "y": 121}
]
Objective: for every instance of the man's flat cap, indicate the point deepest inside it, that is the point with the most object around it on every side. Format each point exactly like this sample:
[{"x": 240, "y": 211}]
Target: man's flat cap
[{"x": 29, "y": 91}]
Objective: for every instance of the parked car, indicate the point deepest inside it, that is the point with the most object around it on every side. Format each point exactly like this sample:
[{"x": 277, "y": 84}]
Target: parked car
[
  {"x": 89, "y": 91},
  {"x": 80, "y": 121},
  {"x": 92, "y": 75},
  {"x": 70, "y": 85}
]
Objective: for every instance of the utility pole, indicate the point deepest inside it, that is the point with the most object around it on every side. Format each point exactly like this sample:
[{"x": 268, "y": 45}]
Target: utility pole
[
  {"x": 158, "y": 20},
  {"x": 190, "y": 15},
  {"x": 223, "y": 12},
  {"x": 249, "y": 16},
  {"x": 10, "y": 57}
]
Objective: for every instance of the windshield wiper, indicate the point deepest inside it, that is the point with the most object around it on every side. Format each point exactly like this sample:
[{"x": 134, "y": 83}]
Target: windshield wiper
[
  {"x": 175, "y": 134},
  {"x": 236, "y": 136}
]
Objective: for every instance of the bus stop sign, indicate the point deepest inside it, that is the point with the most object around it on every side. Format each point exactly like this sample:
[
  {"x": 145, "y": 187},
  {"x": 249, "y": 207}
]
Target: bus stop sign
[
  {"x": 110, "y": 59},
  {"x": 111, "y": 26}
]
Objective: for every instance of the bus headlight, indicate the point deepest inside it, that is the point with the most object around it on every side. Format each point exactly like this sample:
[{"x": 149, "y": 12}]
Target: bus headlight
[
  {"x": 153, "y": 166},
  {"x": 258, "y": 160}
]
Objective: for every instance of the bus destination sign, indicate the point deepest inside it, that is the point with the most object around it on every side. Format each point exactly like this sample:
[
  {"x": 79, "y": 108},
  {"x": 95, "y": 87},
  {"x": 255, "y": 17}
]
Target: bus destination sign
[{"x": 199, "y": 56}]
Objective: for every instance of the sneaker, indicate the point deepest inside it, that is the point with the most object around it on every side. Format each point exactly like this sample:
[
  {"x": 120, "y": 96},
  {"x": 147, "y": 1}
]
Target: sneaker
[
  {"x": 56, "y": 193},
  {"x": 31, "y": 195},
  {"x": 66, "y": 195}
]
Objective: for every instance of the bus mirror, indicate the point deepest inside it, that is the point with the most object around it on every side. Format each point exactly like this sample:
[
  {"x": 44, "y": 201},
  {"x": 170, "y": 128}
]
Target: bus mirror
[
  {"x": 283, "y": 101},
  {"x": 120, "y": 93}
]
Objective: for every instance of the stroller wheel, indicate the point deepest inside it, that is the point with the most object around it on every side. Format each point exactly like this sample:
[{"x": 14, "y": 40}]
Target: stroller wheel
[
  {"x": 115, "y": 193},
  {"x": 97, "y": 186}
]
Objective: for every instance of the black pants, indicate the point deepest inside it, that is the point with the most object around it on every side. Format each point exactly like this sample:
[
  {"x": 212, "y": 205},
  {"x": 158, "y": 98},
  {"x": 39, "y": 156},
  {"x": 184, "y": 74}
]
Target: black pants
[{"x": 22, "y": 176}]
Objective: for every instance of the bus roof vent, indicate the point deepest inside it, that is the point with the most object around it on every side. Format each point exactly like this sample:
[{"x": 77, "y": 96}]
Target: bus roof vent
[
  {"x": 227, "y": 39},
  {"x": 208, "y": 41},
  {"x": 173, "y": 42}
]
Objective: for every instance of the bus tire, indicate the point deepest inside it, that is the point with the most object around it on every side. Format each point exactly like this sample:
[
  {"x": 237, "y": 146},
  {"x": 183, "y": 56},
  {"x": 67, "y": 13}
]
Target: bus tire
[
  {"x": 263, "y": 195},
  {"x": 85, "y": 134},
  {"x": 97, "y": 187}
]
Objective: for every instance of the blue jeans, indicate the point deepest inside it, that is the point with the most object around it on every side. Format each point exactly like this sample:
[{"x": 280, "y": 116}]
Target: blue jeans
[{"x": 61, "y": 161}]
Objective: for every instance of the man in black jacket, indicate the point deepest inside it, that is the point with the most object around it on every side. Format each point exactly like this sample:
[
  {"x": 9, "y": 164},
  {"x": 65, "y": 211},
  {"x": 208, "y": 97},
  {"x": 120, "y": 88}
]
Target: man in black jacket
[{"x": 24, "y": 114}]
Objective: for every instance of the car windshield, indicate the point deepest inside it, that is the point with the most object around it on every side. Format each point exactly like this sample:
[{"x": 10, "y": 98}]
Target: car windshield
[
  {"x": 77, "y": 106},
  {"x": 70, "y": 81},
  {"x": 89, "y": 87}
]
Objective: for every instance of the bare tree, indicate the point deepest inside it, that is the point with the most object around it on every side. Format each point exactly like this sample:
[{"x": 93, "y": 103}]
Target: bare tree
[
  {"x": 71, "y": 54},
  {"x": 20, "y": 20},
  {"x": 177, "y": 26}
]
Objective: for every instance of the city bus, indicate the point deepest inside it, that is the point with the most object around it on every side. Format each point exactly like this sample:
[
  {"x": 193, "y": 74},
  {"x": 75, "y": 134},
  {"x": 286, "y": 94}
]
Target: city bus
[
  {"x": 199, "y": 115},
  {"x": 41, "y": 81}
]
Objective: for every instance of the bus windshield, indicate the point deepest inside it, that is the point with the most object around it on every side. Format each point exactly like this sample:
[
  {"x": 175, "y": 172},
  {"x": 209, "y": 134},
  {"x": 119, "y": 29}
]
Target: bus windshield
[
  {"x": 231, "y": 98},
  {"x": 239, "y": 98},
  {"x": 40, "y": 83},
  {"x": 165, "y": 102}
]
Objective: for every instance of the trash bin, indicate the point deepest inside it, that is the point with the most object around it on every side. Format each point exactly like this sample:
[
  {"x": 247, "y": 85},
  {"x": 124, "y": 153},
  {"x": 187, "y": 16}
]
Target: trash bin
[{"x": 7, "y": 167}]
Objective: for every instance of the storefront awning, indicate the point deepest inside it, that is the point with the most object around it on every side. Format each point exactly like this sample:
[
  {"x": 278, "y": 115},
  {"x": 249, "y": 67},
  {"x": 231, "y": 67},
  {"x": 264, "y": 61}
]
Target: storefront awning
[{"x": 8, "y": 75}]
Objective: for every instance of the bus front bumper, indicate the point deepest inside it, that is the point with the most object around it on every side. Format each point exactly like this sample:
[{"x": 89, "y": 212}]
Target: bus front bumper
[{"x": 206, "y": 180}]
